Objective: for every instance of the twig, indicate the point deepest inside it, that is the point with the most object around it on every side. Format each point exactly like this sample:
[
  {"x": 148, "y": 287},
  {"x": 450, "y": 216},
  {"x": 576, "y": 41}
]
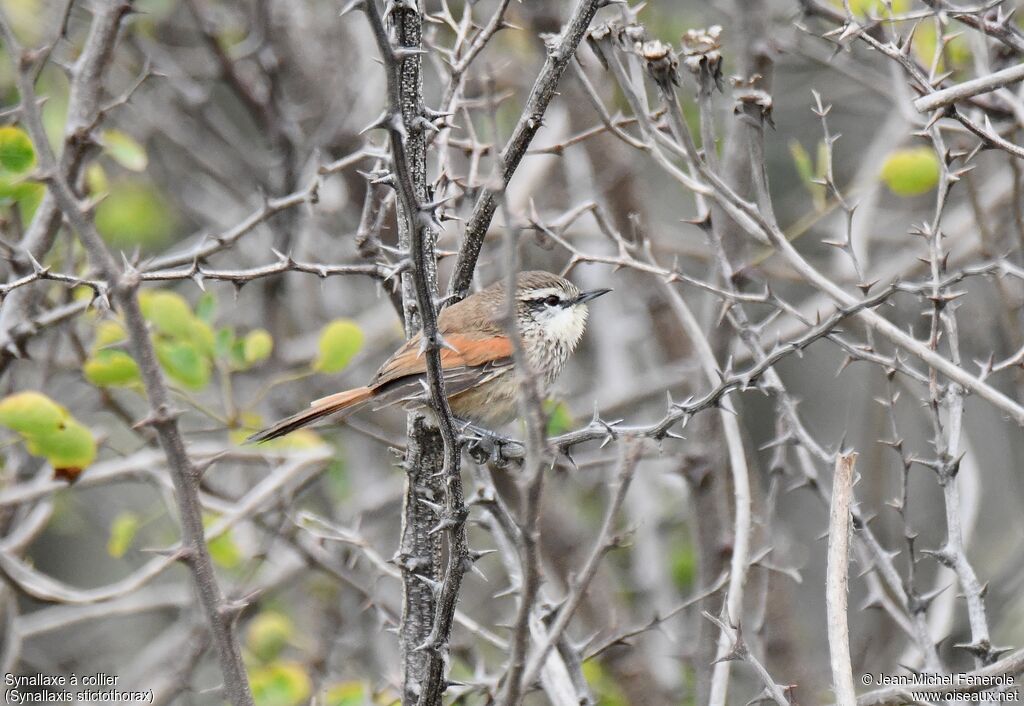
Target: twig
[
  {"x": 603, "y": 544},
  {"x": 963, "y": 91},
  {"x": 836, "y": 588}
]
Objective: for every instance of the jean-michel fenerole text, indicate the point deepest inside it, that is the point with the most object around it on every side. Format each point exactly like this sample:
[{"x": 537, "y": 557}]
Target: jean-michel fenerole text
[{"x": 955, "y": 680}]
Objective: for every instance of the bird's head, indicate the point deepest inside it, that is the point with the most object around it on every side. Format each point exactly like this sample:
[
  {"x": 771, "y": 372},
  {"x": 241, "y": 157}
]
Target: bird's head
[{"x": 553, "y": 307}]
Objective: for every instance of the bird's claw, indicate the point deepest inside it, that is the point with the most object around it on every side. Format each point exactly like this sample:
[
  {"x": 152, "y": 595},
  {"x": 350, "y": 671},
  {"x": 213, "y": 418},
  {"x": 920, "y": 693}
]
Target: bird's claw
[{"x": 483, "y": 444}]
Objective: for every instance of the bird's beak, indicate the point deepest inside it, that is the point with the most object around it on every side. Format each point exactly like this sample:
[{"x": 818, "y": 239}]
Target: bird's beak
[{"x": 585, "y": 297}]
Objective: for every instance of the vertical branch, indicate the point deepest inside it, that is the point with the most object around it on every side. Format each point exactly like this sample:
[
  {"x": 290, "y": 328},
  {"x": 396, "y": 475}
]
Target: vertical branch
[
  {"x": 606, "y": 540},
  {"x": 124, "y": 284},
  {"x": 836, "y": 578},
  {"x": 948, "y": 433},
  {"x": 740, "y": 560},
  {"x": 531, "y": 409},
  {"x": 425, "y": 651},
  {"x": 421, "y": 549}
]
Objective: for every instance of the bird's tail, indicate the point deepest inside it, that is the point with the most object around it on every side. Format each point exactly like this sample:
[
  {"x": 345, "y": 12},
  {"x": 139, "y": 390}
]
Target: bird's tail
[{"x": 346, "y": 401}]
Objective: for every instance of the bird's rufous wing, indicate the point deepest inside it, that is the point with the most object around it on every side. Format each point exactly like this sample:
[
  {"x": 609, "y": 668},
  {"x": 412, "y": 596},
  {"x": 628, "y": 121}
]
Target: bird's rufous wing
[
  {"x": 465, "y": 353},
  {"x": 402, "y": 379}
]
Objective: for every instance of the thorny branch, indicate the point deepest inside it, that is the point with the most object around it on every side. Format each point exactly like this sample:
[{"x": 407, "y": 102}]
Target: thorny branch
[{"x": 766, "y": 311}]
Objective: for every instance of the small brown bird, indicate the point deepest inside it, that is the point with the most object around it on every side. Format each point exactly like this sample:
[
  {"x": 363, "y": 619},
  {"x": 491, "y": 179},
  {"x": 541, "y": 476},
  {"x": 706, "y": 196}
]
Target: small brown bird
[{"x": 479, "y": 373}]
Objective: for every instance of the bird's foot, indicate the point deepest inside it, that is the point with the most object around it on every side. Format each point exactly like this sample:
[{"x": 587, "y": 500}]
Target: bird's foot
[{"x": 483, "y": 444}]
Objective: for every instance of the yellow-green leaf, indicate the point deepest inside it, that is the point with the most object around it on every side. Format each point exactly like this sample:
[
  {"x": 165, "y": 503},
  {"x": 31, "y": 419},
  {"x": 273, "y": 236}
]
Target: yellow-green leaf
[
  {"x": 31, "y": 413},
  {"x": 28, "y": 195},
  {"x": 873, "y": 8},
  {"x": 606, "y": 688},
  {"x": 348, "y": 693},
  {"x": 169, "y": 312},
  {"x": 801, "y": 160},
  {"x": 49, "y": 431},
  {"x": 340, "y": 340},
  {"x": 96, "y": 180},
  {"x": 911, "y": 172},
  {"x": 110, "y": 368},
  {"x": 69, "y": 447},
  {"x": 225, "y": 552},
  {"x": 925, "y": 42},
  {"x": 122, "y": 533},
  {"x": 124, "y": 150},
  {"x": 268, "y": 634},
  {"x": 280, "y": 684},
  {"x": 184, "y": 362},
  {"x": 108, "y": 332},
  {"x": 16, "y": 152},
  {"x": 257, "y": 345},
  {"x": 201, "y": 334},
  {"x": 134, "y": 214}
]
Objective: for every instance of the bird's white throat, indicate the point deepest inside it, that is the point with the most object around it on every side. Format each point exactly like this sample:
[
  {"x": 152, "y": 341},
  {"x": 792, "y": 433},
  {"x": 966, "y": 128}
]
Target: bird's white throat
[{"x": 566, "y": 325}]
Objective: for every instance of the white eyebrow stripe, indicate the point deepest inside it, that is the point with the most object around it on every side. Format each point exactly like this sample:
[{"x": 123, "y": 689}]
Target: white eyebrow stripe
[{"x": 547, "y": 292}]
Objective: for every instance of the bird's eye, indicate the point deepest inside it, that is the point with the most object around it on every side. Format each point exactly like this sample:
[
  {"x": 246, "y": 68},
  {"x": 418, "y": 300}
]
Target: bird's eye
[{"x": 552, "y": 300}]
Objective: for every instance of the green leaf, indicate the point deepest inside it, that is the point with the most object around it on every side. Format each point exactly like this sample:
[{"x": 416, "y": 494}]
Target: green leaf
[
  {"x": 606, "y": 689},
  {"x": 122, "y": 532},
  {"x": 257, "y": 345},
  {"x": 268, "y": 635},
  {"x": 684, "y": 565},
  {"x": 559, "y": 417},
  {"x": 124, "y": 150},
  {"x": 68, "y": 447},
  {"x": 184, "y": 362},
  {"x": 169, "y": 312},
  {"x": 280, "y": 684},
  {"x": 237, "y": 355},
  {"x": 108, "y": 332},
  {"x": 31, "y": 413},
  {"x": 911, "y": 172},
  {"x": 802, "y": 161},
  {"x": 111, "y": 368},
  {"x": 200, "y": 333},
  {"x": 225, "y": 552},
  {"x": 224, "y": 340},
  {"x": 348, "y": 693},
  {"x": 18, "y": 190},
  {"x": 28, "y": 195},
  {"x": 873, "y": 8},
  {"x": 340, "y": 340},
  {"x": 96, "y": 180},
  {"x": 134, "y": 214},
  {"x": 16, "y": 152},
  {"x": 206, "y": 307},
  {"x": 49, "y": 431}
]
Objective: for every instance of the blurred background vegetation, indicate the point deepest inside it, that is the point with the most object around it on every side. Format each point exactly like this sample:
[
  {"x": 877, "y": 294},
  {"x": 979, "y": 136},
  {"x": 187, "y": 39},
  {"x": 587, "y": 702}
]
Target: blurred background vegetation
[{"x": 211, "y": 107}]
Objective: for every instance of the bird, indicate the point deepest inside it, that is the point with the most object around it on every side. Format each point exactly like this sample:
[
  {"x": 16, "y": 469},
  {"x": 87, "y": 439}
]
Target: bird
[{"x": 477, "y": 358}]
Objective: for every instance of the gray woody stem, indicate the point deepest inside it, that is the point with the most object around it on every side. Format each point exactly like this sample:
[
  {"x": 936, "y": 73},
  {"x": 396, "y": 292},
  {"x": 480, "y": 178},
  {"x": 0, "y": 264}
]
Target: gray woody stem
[
  {"x": 220, "y": 615},
  {"x": 606, "y": 540},
  {"x": 967, "y": 89},
  {"x": 425, "y": 661},
  {"x": 532, "y": 117},
  {"x": 836, "y": 581}
]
